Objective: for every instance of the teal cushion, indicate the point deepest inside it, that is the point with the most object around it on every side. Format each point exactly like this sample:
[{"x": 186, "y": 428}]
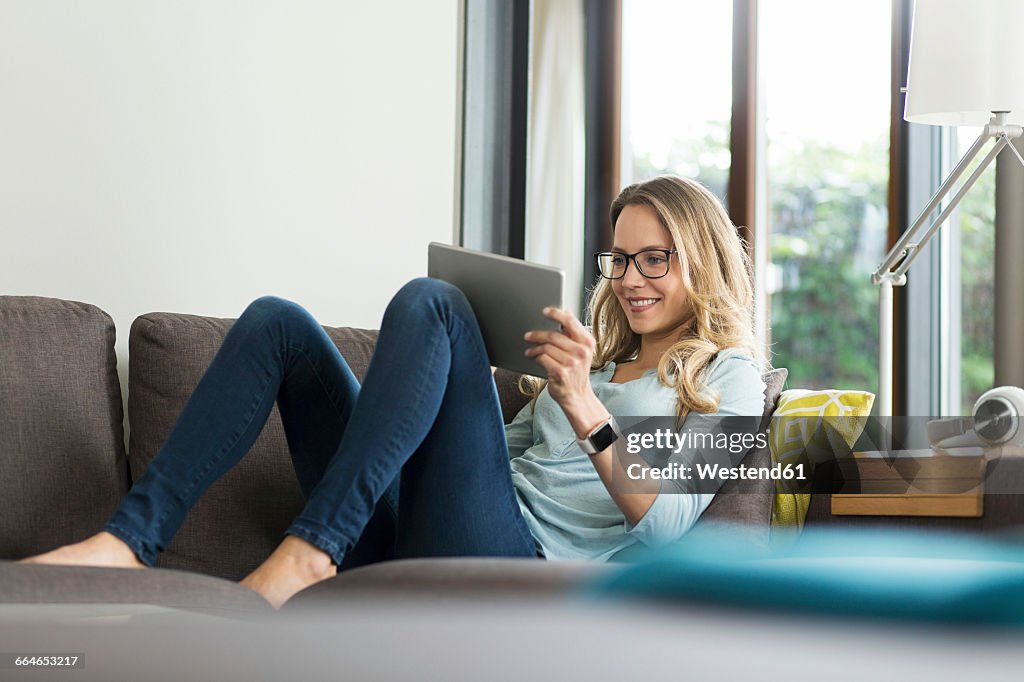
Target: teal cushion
[{"x": 890, "y": 574}]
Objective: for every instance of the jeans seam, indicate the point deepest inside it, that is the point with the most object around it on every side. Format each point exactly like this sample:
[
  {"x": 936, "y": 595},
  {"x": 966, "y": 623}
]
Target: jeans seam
[
  {"x": 248, "y": 419},
  {"x": 400, "y": 433},
  {"x": 511, "y": 498},
  {"x": 319, "y": 379},
  {"x": 404, "y": 424}
]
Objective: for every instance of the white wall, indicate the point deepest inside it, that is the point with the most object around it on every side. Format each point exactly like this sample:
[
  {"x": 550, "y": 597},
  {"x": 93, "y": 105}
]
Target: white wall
[{"x": 189, "y": 156}]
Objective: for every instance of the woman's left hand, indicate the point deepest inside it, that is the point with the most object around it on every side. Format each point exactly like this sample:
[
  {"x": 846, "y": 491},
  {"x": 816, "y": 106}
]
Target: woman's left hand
[{"x": 566, "y": 356}]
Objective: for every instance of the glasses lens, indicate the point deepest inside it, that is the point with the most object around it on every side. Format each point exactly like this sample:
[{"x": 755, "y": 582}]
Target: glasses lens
[
  {"x": 652, "y": 263},
  {"x": 611, "y": 265}
]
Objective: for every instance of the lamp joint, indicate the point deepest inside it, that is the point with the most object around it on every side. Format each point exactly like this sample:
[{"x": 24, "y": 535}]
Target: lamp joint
[
  {"x": 892, "y": 278},
  {"x": 998, "y": 127}
]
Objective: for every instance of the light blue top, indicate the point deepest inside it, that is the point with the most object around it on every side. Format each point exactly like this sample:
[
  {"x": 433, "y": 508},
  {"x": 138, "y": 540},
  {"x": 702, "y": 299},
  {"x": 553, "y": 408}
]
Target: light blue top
[{"x": 566, "y": 505}]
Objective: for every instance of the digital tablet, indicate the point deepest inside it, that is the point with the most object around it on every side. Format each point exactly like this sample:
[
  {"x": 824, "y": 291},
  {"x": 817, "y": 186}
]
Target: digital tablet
[{"x": 507, "y": 296}]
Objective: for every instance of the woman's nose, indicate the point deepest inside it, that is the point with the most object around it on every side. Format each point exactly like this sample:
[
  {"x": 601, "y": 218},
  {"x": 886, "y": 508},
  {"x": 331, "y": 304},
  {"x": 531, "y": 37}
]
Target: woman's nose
[{"x": 632, "y": 277}]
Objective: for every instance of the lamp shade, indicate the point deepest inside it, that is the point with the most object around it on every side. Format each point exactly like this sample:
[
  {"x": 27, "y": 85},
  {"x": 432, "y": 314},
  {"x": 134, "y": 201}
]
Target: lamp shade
[{"x": 966, "y": 61}]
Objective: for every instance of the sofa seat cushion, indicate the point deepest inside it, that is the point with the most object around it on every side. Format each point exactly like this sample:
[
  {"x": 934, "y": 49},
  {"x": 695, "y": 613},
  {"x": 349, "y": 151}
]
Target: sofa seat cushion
[
  {"x": 454, "y": 576},
  {"x": 36, "y": 584},
  {"x": 62, "y": 462}
]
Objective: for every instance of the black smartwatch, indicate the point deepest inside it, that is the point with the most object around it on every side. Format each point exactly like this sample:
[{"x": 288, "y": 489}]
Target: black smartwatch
[{"x": 600, "y": 438}]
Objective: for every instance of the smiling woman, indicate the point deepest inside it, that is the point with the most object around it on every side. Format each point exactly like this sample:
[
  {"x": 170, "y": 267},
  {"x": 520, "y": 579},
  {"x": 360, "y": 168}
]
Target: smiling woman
[{"x": 688, "y": 296}]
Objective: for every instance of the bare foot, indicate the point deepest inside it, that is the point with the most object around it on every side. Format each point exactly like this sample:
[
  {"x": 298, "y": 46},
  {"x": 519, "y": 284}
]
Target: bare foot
[
  {"x": 291, "y": 568},
  {"x": 102, "y": 549}
]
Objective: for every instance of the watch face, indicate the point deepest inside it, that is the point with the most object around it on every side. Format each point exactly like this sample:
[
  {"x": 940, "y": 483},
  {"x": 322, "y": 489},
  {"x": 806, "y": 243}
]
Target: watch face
[{"x": 604, "y": 437}]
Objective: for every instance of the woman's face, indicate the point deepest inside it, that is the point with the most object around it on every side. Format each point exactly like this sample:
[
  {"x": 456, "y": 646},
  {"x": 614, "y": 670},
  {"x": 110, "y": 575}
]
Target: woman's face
[{"x": 652, "y": 306}]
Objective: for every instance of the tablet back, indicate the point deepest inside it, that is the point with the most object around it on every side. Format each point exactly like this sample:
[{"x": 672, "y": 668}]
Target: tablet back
[{"x": 507, "y": 296}]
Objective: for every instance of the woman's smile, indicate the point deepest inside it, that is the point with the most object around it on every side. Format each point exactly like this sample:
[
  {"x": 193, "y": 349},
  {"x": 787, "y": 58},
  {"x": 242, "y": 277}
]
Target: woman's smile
[{"x": 639, "y": 305}]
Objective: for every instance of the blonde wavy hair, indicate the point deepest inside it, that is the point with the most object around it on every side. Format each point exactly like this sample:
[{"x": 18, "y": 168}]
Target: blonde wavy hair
[{"x": 717, "y": 279}]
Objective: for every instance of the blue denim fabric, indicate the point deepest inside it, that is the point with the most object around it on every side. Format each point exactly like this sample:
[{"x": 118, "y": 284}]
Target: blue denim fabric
[{"x": 413, "y": 463}]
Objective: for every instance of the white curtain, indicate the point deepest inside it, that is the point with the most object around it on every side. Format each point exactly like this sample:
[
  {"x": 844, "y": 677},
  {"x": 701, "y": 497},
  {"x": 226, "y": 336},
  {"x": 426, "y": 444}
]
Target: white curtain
[{"x": 556, "y": 139}]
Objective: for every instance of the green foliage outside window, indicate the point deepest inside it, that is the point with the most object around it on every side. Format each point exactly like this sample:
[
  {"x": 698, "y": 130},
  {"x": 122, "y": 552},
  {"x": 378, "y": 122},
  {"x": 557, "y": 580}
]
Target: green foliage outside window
[{"x": 828, "y": 224}]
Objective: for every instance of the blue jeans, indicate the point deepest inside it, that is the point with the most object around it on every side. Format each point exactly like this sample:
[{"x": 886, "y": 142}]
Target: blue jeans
[{"x": 413, "y": 463}]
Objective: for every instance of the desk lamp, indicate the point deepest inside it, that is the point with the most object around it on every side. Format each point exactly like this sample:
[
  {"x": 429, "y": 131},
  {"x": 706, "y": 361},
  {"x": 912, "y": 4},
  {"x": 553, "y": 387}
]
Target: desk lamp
[{"x": 966, "y": 68}]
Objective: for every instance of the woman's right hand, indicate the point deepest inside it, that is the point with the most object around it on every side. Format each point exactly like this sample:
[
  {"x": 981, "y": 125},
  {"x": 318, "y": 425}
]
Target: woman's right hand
[{"x": 566, "y": 356}]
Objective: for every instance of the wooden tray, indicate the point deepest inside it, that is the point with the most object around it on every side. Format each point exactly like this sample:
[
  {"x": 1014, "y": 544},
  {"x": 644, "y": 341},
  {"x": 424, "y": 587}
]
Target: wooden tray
[{"x": 927, "y": 485}]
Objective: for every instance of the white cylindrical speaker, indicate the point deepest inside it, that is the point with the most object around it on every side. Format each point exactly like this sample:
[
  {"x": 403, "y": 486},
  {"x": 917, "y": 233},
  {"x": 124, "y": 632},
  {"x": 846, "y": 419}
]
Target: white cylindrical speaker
[{"x": 997, "y": 415}]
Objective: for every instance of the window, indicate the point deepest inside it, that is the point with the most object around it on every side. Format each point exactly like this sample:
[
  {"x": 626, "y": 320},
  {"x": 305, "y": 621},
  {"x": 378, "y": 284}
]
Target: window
[
  {"x": 677, "y": 90},
  {"x": 825, "y": 70}
]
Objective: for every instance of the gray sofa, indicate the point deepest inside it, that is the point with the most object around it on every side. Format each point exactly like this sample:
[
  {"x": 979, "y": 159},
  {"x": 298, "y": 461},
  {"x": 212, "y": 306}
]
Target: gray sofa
[{"x": 64, "y": 466}]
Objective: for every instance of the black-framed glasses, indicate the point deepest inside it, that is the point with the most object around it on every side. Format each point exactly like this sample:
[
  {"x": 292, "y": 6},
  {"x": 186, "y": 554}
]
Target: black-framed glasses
[{"x": 652, "y": 263}]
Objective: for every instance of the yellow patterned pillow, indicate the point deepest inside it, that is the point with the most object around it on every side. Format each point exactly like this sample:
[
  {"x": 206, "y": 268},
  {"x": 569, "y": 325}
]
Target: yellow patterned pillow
[{"x": 807, "y": 426}]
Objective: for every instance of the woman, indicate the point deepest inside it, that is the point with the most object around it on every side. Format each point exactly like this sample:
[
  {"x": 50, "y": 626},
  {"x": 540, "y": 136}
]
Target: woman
[{"x": 416, "y": 461}]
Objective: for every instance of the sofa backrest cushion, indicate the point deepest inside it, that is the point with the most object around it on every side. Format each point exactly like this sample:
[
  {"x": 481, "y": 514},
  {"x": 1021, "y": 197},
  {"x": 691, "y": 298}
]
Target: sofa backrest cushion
[
  {"x": 749, "y": 503},
  {"x": 62, "y": 461},
  {"x": 511, "y": 398},
  {"x": 242, "y": 517}
]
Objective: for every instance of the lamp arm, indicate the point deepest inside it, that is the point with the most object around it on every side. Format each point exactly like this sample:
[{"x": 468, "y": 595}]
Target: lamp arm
[
  {"x": 1017, "y": 154},
  {"x": 906, "y": 247},
  {"x": 914, "y": 252}
]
